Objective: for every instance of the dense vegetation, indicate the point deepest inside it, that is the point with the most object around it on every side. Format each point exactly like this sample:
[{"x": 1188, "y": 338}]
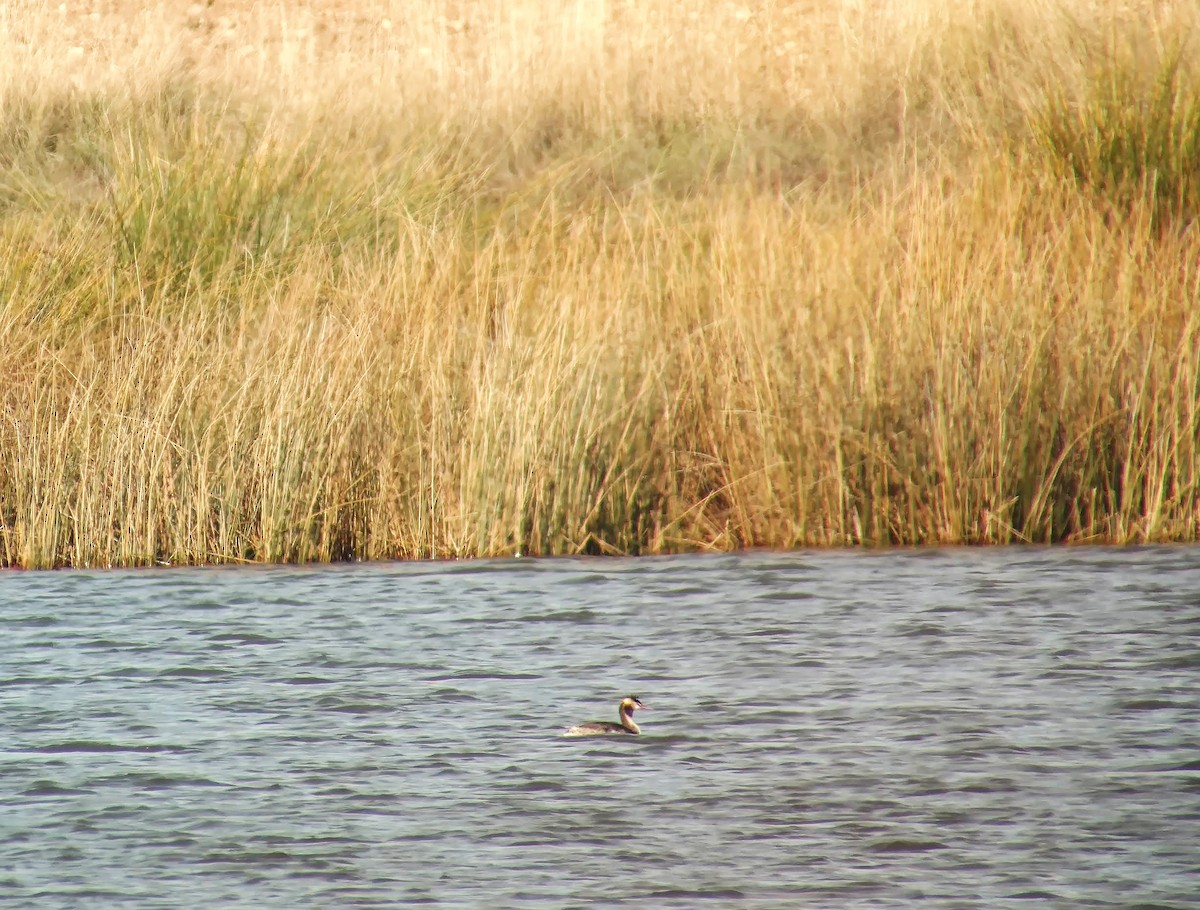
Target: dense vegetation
[{"x": 343, "y": 281}]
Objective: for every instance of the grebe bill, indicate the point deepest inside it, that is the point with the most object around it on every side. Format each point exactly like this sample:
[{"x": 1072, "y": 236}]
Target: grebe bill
[{"x": 626, "y": 727}]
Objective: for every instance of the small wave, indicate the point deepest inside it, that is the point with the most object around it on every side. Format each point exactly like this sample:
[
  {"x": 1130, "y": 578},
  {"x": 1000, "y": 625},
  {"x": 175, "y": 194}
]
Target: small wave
[
  {"x": 244, "y": 638},
  {"x": 1193, "y": 765},
  {"x": 158, "y": 781},
  {"x": 584, "y": 579},
  {"x": 36, "y": 622},
  {"x": 111, "y": 644},
  {"x": 483, "y": 674},
  {"x": 703, "y": 894},
  {"x": 191, "y": 673},
  {"x": 784, "y": 596},
  {"x": 1033, "y": 896},
  {"x": 306, "y": 681},
  {"x": 1146, "y": 704},
  {"x": 356, "y": 708},
  {"x": 1179, "y": 662},
  {"x": 992, "y": 785},
  {"x": 81, "y": 894},
  {"x": 18, "y": 681},
  {"x": 92, "y": 746},
  {"x": 539, "y": 786},
  {"x": 50, "y": 788},
  {"x": 772, "y": 632},
  {"x": 922, "y": 630},
  {"x": 253, "y": 857},
  {"x": 570, "y": 616},
  {"x": 905, "y": 845},
  {"x": 451, "y": 694}
]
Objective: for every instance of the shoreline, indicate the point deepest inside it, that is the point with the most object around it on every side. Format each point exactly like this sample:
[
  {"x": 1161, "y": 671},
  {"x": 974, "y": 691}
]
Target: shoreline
[{"x": 849, "y": 550}]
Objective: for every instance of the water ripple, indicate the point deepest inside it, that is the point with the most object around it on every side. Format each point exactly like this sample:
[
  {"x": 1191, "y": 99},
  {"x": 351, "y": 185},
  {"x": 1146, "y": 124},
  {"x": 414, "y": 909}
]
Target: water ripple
[{"x": 942, "y": 729}]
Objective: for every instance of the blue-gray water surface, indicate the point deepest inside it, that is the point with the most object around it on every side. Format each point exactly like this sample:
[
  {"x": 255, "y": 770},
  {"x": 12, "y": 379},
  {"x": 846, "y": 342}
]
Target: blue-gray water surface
[{"x": 941, "y": 729}]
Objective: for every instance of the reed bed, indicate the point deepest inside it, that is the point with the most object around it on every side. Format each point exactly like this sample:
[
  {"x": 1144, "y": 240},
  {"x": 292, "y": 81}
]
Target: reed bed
[{"x": 329, "y": 281}]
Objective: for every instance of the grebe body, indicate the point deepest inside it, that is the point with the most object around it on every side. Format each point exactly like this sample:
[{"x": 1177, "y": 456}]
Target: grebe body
[{"x": 626, "y": 727}]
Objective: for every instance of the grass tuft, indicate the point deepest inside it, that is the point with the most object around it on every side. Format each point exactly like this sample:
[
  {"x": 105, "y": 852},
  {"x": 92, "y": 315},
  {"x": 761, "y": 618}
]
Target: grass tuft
[{"x": 1132, "y": 135}]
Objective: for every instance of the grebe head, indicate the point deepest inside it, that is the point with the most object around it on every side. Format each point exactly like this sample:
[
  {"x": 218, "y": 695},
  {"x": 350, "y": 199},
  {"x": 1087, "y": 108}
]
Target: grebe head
[{"x": 631, "y": 703}]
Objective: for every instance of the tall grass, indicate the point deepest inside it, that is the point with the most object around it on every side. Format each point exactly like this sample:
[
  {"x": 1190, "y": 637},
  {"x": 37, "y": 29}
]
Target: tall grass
[{"x": 346, "y": 281}]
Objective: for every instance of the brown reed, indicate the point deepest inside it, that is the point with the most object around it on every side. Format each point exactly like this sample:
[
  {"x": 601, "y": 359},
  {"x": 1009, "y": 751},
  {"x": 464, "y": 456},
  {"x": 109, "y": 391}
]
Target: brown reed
[{"x": 295, "y": 282}]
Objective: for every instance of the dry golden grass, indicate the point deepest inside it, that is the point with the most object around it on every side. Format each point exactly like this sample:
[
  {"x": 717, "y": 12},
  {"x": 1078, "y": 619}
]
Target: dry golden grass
[{"x": 290, "y": 281}]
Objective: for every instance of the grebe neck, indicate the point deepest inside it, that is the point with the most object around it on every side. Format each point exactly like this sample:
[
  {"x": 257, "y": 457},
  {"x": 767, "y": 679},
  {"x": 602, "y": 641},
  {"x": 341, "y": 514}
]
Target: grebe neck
[{"x": 627, "y": 720}]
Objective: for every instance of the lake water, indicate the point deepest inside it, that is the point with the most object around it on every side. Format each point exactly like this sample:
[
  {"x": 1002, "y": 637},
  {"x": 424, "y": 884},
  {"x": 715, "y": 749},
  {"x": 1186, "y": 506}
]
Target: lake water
[{"x": 943, "y": 729}]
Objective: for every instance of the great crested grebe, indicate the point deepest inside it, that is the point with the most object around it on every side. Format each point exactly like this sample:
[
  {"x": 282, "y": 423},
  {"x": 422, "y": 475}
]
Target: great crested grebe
[{"x": 629, "y": 704}]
